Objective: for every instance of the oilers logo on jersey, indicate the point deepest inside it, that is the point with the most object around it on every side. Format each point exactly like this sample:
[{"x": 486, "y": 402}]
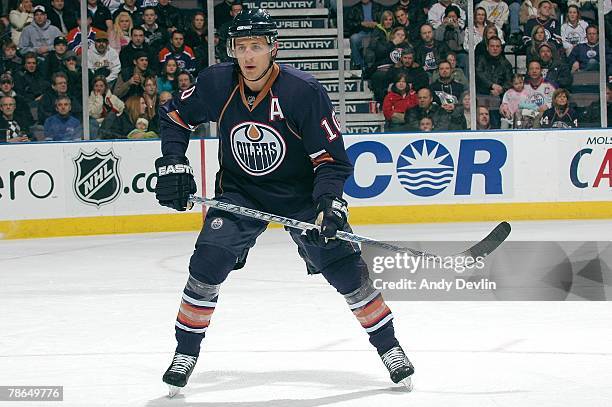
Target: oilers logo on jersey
[{"x": 257, "y": 148}]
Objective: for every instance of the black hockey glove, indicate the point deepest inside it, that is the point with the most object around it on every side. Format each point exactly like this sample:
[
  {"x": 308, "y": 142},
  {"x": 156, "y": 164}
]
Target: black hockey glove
[
  {"x": 174, "y": 182},
  {"x": 332, "y": 216}
]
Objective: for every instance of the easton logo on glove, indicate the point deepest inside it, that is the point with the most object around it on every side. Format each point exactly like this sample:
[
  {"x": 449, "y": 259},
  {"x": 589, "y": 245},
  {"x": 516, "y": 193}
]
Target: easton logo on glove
[{"x": 175, "y": 169}]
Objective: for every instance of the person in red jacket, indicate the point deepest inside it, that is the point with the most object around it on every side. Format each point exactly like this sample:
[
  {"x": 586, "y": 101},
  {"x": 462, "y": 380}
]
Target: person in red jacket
[{"x": 398, "y": 100}]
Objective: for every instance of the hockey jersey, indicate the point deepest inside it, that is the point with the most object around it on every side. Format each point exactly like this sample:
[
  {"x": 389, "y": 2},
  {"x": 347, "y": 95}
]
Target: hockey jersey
[
  {"x": 573, "y": 36},
  {"x": 554, "y": 119},
  {"x": 281, "y": 147},
  {"x": 541, "y": 94}
]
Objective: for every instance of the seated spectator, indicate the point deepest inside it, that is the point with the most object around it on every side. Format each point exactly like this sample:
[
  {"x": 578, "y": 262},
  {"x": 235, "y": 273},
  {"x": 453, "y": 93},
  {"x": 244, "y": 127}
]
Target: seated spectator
[
  {"x": 73, "y": 71},
  {"x": 554, "y": 71},
  {"x": 166, "y": 81},
  {"x": 497, "y": 11},
  {"x": 397, "y": 101},
  {"x": 137, "y": 43},
  {"x": 131, "y": 79},
  {"x": 169, "y": 17},
  {"x": 61, "y": 17},
  {"x": 546, "y": 19},
  {"x": 452, "y": 35},
  {"x": 384, "y": 55},
  {"x": 11, "y": 62},
  {"x": 184, "y": 81},
  {"x": 129, "y": 6},
  {"x": 426, "y": 107},
  {"x": 149, "y": 87},
  {"x": 20, "y": 18},
  {"x": 426, "y": 124},
  {"x": 593, "y": 111},
  {"x": 538, "y": 38},
  {"x": 236, "y": 7},
  {"x": 142, "y": 130},
  {"x": 573, "y": 31},
  {"x": 184, "y": 55},
  {"x": 560, "y": 115},
  {"x": 411, "y": 27},
  {"x": 63, "y": 126},
  {"x": 457, "y": 74},
  {"x": 382, "y": 31},
  {"x": 31, "y": 82},
  {"x": 195, "y": 36},
  {"x": 118, "y": 126},
  {"x": 415, "y": 9},
  {"x": 12, "y": 130},
  {"x": 22, "y": 111},
  {"x": 38, "y": 37},
  {"x": 55, "y": 60},
  {"x": 165, "y": 97},
  {"x": 429, "y": 51},
  {"x": 462, "y": 113},
  {"x": 104, "y": 60},
  {"x": 539, "y": 90},
  {"x": 102, "y": 102},
  {"x": 74, "y": 36},
  {"x": 223, "y": 12},
  {"x": 155, "y": 35},
  {"x": 416, "y": 78},
  {"x": 483, "y": 120},
  {"x": 490, "y": 31},
  {"x": 119, "y": 36},
  {"x": 513, "y": 99},
  {"x": 480, "y": 23},
  {"x": 101, "y": 17},
  {"x": 446, "y": 91},
  {"x": 59, "y": 88},
  {"x": 493, "y": 71},
  {"x": 360, "y": 22},
  {"x": 585, "y": 57},
  {"x": 435, "y": 16}
]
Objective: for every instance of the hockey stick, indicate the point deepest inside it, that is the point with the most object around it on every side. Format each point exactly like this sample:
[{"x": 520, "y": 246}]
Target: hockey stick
[{"x": 480, "y": 249}]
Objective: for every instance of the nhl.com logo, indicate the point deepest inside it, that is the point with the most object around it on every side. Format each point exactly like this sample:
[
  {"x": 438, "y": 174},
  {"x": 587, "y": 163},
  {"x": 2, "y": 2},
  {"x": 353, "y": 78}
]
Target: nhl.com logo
[
  {"x": 257, "y": 148},
  {"x": 97, "y": 181},
  {"x": 425, "y": 168}
]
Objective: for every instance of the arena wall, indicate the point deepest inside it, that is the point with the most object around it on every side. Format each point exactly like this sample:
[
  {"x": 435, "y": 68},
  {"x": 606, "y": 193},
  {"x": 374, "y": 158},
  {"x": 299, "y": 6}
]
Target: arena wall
[{"x": 61, "y": 189}]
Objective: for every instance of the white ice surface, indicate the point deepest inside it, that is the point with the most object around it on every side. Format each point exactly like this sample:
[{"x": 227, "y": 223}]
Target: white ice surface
[{"x": 96, "y": 315}]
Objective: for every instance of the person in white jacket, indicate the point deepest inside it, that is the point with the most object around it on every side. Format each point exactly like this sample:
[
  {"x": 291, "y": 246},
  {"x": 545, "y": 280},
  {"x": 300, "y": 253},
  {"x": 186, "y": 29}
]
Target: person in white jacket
[
  {"x": 573, "y": 31},
  {"x": 435, "y": 16},
  {"x": 38, "y": 37},
  {"x": 20, "y": 18},
  {"x": 104, "y": 60},
  {"x": 497, "y": 11}
]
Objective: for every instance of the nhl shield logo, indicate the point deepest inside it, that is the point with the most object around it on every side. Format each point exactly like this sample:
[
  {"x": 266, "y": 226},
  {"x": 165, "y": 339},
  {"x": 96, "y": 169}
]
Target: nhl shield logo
[{"x": 97, "y": 180}]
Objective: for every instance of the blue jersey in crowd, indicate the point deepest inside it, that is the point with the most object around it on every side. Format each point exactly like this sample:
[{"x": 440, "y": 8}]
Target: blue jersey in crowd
[{"x": 280, "y": 147}]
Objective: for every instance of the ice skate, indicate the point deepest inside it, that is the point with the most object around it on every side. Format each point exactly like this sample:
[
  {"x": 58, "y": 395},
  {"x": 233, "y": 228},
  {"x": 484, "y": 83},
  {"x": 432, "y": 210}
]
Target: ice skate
[
  {"x": 399, "y": 367},
  {"x": 178, "y": 373}
]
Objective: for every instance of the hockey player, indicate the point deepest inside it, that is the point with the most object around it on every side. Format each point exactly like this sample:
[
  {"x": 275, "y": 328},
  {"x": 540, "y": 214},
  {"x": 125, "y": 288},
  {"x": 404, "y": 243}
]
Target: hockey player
[{"x": 281, "y": 151}]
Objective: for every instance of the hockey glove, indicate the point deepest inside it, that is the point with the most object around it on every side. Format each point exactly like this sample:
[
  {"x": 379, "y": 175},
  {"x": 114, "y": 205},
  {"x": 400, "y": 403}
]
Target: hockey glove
[
  {"x": 174, "y": 182},
  {"x": 332, "y": 217}
]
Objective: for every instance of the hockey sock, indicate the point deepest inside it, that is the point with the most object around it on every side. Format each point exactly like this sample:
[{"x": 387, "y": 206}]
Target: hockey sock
[
  {"x": 197, "y": 306},
  {"x": 370, "y": 309}
]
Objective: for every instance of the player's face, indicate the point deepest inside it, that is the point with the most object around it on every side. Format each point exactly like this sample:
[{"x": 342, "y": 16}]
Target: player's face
[{"x": 253, "y": 56}]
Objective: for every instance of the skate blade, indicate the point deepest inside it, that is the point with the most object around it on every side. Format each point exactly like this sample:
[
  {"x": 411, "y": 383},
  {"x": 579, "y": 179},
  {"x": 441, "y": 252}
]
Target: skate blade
[
  {"x": 407, "y": 383},
  {"x": 173, "y": 390}
]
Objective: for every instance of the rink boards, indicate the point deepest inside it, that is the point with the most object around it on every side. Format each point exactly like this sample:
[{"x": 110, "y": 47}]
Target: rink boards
[{"x": 58, "y": 189}]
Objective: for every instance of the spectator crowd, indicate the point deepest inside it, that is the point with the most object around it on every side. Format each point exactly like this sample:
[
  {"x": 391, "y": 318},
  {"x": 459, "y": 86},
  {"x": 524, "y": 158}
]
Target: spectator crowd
[{"x": 413, "y": 53}]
